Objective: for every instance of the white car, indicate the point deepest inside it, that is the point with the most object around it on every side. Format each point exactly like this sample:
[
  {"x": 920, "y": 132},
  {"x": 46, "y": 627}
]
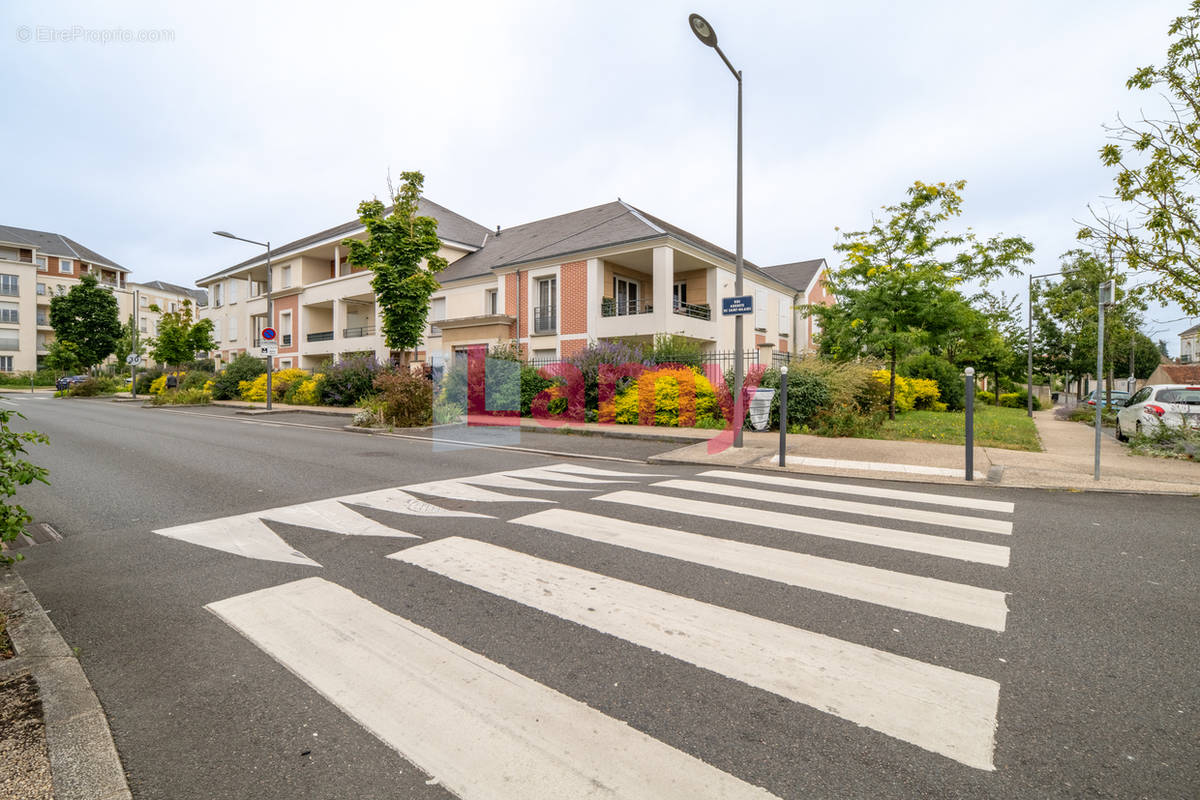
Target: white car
[{"x": 1173, "y": 405}]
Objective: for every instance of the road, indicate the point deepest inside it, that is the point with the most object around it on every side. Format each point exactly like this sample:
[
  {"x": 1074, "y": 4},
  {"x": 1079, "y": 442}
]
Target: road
[{"x": 277, "y": 610}]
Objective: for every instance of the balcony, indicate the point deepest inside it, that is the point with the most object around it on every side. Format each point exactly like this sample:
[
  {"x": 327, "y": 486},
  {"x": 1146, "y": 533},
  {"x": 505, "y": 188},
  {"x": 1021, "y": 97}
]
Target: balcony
[
  {"x": 610, "y": 307},
  {"x": 354, "y": 333},
  {"x": 321, "y": 336},
  {"x": 545, "y": 319},
  {"x": 693, "y": 310}
]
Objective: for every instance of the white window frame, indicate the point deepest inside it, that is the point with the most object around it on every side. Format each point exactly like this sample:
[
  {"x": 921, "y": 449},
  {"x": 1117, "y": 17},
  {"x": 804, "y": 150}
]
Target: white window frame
[
  {"x": 41, "y": 288},
  {"x": 43, "y": 264},
  {"x": 678, "y": 294},
  {"x": 785, "y": 316},
  {"x": 6, "y": 363},
  {"x": 285, "y": 277},
  {"x": 10, "y": 313},
  {"x": 491, "y": 301},
  {"x": 16, "y": 284},
  {"x": 68, "y": 263},
  {"x": 233, "y": 329},
  {"x": 233, "y": 291},
  {"x": 760, "y": 309},
  {"x": 636, "y": 285}
]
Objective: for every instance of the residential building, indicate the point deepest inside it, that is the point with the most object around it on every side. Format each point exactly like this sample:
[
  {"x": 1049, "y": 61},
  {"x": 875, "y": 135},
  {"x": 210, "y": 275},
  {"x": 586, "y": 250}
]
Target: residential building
[
  {"x": 1174, "y": 373},
  {"x": 35, "y": 266},
  {"x": 606, "y": 272},
  {"x": 155, "y": 298},
  {"x": 1189, "y": 345}
]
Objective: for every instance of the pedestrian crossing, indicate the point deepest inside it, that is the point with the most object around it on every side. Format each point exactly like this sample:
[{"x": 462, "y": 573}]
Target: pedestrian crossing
[{"x": 483, "y": 730}]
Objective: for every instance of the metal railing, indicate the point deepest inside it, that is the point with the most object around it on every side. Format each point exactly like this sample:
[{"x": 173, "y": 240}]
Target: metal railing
[
  {"x": 286, "y": 340},
  {"x": 693, "y": 310},
  {"x": 613, "y": 307},
  {"x": 11, "y": 291},
  {"x": 545, "y": 319},
  {"x": 364, "y": 330},
  {"x": 322, "y": 336}
]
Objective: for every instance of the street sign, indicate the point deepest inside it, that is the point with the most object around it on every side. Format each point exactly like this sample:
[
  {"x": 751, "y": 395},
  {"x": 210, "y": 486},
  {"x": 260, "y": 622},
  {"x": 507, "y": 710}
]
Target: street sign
[
  {"x": 735, "y": 306},
  {"x": 268, "y": 334},
  {"x": 133, "y": 359},
  {"x": 268, "y": 350}
]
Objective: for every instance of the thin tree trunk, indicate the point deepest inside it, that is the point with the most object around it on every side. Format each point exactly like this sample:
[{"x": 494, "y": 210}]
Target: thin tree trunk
[{"x": 892, "y": 388}]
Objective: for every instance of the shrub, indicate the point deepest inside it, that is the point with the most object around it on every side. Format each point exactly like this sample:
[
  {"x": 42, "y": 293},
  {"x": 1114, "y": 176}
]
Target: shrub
[
  {"x": 808, "y": 393},
  {"x": 911, "y": 393},
  {"x": 306, "y": 392},
  {"x": 985, "y": 398},
  {"x": 950, "y": 381},
  {"x": 589, "y": 360},
  {"x": 656, "y": 398},
  {"x": 349, "y": 381},
  {"x": 407, "y": 398},
  {"x": 195, "y": 380},
  {"x": 668, "y": 349},
  {"x": 243, "y": 368},
  {"x": 158, "y": 385},
  {"x": 182, "y": 397},
  {"x": 146, "y": 379},
  {"x": 370, "y": 414},
  {"x": 89, "y": 388},
  {"x": 1018, "y": 400},
  {"x": 256, "y": 390},
  {"x": 446, "y": 412}
]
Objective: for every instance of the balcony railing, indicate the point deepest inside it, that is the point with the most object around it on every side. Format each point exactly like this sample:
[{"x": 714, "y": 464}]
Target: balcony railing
[
  {"x": 354, "y": 333},
  {"x": 321, "y": 336},
  {"x": 11, "y": 291},
  {"x": 693, "y": 310},
  {"x": 611, "y": 307},
  {"x": 545, "y": 319}
]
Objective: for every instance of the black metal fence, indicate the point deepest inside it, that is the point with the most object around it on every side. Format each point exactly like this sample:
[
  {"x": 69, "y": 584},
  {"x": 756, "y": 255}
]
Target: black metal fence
[{"x": 723, "y": 360}]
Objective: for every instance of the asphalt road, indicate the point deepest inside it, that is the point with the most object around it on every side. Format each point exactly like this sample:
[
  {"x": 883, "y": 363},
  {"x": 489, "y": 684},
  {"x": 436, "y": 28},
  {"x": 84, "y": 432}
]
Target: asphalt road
[{"x": 1095, "y": 660}]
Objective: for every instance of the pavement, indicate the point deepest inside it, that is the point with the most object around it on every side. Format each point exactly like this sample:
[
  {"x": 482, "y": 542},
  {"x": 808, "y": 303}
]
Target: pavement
[{"x": 272, "y": 607}]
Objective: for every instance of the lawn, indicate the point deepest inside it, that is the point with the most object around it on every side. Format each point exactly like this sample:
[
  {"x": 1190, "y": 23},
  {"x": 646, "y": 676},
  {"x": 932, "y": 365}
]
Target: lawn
[{"x": 1009, "y": 428}]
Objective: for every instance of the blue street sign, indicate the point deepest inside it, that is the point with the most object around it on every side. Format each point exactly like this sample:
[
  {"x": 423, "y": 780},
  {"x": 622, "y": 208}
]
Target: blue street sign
[
  {"x": 733, "y": 306},
  {"x": 268, "y": 334}
]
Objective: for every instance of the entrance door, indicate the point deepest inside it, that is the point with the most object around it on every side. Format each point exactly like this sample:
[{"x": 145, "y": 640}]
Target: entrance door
[{"x": 626, "y": 293}]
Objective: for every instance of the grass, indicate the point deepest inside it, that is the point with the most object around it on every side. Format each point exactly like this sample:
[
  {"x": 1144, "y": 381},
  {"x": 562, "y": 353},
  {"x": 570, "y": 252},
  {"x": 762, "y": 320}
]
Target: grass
[{"x": 1008, "y": 428}]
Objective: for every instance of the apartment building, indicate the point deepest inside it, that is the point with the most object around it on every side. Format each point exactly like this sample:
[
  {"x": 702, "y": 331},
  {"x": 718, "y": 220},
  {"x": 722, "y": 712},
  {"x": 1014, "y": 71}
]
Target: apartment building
[
  {"x": 1189, "y": 345},
  {"x": 610, "y": 271},
  {"x": 35, "y": 266}
]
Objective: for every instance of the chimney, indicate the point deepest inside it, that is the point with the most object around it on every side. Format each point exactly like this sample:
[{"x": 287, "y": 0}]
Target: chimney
[{"x": 497, "y": 231}]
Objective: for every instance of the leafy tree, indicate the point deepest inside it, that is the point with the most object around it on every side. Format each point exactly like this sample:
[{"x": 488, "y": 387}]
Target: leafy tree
[
  {"x": 402, "y": 250},
  {"x": 898, "y": 285},
  {"x": 125, "y": 344},
  {"x": 1157, "y": 161},
  {"x": 16, "y": 471},
  {"x": 994, "y": 338},
  {"x": 62, "y": 356},
  {"x": 180, "y": 338},
  {"x": 87, "y": 316}
]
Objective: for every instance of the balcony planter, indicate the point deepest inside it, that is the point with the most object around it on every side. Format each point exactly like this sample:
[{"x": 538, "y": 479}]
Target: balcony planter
[{"x": 608, "y": 307}]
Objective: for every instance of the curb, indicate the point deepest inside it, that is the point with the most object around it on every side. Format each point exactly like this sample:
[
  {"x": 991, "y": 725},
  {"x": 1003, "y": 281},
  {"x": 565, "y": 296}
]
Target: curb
[{"x": 84, "y": 764}]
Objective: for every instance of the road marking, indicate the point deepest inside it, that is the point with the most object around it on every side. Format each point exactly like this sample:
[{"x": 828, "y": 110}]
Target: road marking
[
  {"x": 401, "y": 502},
  {"x": 506, "y": 480},
  {"x": 247, "y": 535},
  {"x": 550, "y": 474},
  {"x": 580, "y": 469},
  {"x": 935, "y": 708},
  {"x": 7, "y": 402},
  {"x": 961, "y": 549},
  {"x": 461, "y": 490},
  {"x": 480, "y": 729},
  {"x": 970, "y": 605},
  {"x": 866, "y": 491},
  {"x": 844, "y": 506}
]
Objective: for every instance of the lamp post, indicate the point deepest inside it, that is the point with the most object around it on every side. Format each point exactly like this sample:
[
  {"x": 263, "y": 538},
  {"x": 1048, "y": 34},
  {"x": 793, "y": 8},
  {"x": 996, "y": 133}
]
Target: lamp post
[
  {"x": 270, "y": 317},
  {"x": 705, "y": 33},
  {"x": 1029, "y": 342}
]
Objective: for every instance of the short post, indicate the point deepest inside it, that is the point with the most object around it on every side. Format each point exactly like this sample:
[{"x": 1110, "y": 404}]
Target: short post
[
  {"x": 970, "y": 404},
  {"x": 783, "y": 409},
  {"x": 31, "y": 383}
]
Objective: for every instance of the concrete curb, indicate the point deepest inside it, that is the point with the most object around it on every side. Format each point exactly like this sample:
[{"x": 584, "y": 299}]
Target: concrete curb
[{"x": 84, "y": 764}]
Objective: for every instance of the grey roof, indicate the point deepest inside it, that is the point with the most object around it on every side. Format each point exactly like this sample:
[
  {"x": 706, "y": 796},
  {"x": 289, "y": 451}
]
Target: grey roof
[
  {"x": 451, "y": 226},
  {"x": 199, "y": 296},
  {"x": 797, "y": 274},
  {"x": 55, "y": 244},
  {"x": 1191, "y": 330}
]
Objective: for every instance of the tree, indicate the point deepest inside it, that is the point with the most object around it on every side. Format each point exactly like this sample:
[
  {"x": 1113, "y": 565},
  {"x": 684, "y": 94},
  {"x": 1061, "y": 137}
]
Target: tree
[
  {"x": 62, "y": 356},
  {"x": 898, "y": 285},
  {"x": 402, "y": 250},
  {"x": 88, "y": 317},
  {"x": 125, "y": 344},
  {"x": 16, "y": 471},
  {"x": 1157, "y": 161},
  {"x": 994, "y": 338},
  {"x": 179, "y": 338}
]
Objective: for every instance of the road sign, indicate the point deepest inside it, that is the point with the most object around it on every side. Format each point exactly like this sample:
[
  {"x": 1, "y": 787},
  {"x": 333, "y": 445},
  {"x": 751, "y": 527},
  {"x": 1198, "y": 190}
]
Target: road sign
[
  {"x": 735, "y": 306},
  {"x": 268, "y": 333},
  {"x": 133, "y": 359},
  {"x": 268, "y": 350}
]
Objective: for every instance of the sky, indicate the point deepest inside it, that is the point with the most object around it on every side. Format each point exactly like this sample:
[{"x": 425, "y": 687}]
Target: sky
[{"x": 273, "y": 120}]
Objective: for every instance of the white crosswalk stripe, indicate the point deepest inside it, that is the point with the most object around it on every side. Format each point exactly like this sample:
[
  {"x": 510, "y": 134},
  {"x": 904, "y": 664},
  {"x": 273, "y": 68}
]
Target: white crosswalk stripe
[{"x": 482, "y": 730}]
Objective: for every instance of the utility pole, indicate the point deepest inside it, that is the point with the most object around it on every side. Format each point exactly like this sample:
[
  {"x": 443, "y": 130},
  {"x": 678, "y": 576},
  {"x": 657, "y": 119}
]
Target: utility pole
[{"x": 133, "y": 340}]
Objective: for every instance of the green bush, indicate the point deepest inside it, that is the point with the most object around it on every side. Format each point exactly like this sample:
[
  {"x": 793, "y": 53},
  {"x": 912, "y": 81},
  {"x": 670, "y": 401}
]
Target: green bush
[
  {"x": 43, "y": 377},
  {"x": 195, "y": 380},
  {"x": 407, "y": 398},
  {"x": 808, "y": 393},
  {"x": 93, "y": 387},
  {"x": 950, "y": 381},
  {"x": 182, "y": 397},
  {"x": 242, "y": 368},
  {"x": 349, "y": 381},
  {"x": 1018, "y": 400}
]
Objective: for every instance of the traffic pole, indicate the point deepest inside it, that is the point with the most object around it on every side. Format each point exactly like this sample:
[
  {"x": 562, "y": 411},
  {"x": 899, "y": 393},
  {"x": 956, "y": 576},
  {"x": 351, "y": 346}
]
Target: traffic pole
[
  {"x": 783, "y": 409},
  {"x": 970, "y": 432}
]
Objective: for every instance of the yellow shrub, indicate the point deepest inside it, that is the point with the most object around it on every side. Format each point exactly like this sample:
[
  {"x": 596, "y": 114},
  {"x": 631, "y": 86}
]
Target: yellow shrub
[
  {"x": 208, "y": 386},
  {"x": 307, "y": 394},
  {"x": 256, "y": 390},
  {"x": 158, "y": 385},
  {"x": 912, "y": 392},
  {"x": 656, "y": 396}
]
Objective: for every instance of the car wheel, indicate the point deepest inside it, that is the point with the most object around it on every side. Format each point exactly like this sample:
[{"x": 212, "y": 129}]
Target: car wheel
[{"x": 1121, "y": 437}]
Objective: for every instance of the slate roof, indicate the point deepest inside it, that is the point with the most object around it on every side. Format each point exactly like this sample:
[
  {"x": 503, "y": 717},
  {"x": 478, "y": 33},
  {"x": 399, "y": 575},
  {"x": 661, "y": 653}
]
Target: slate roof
[
  {"x": 797, "y": 274},
  {"x": 199, "y": 296},
  {"x": 451, "y": 227},
  {"x": 55, "y": 244}
]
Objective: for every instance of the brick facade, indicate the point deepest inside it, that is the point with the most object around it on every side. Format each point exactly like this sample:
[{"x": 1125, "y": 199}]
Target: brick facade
[{"x": 573, "y": 289}]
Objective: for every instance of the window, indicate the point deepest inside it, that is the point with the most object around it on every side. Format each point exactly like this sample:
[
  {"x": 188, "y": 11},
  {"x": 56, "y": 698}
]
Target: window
[
  {"x": 437, "y": 312},
  {"x": 285, "y": 277},
  {"x": 10, "y": 313},
  {"x": 42, "y": 265},
  {"x": 679, "y": 294},
  {"x": 142, "y": 325},
  {"x": 8, "y": 285},
  {"x": 42, "y": 318},
  {"x": 785, "y": 317},
  {"x": 490, "y": 302},
  {"x": 64, "y": 266},
  {"x": 172, "y": 306},
  {"x": 285, "y": 363},
  {"x": 233, "y": 290},
  {"x": 216, "y": 329},
  {"x": 41, "y": 288},
  {"x": 217, "y": 295},
  {"x": 143, "y": 301},
  {"x": 10, "y": 339},
  {"x": 545, "y": 313},
  {"x": 6, "y": 364},
  {"x": 760, "y": 309},
  {"x": 545, "y": 355},
  {"x": 626, "y": 294},
  {"x": 285, "y": 328},
  {"x": 232, "y": 328}
]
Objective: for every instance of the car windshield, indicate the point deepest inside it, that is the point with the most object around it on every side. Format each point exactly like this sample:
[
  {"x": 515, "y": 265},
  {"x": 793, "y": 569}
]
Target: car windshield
[{"x": 1189, "y": 396}]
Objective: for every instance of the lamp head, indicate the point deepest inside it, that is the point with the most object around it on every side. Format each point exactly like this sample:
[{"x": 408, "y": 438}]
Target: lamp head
[{"x": 702, "y": 29}]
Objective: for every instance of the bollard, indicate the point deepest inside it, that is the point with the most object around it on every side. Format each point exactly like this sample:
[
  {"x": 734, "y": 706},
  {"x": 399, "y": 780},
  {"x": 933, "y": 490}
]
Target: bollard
[
  {"x": 970, "y": 423},
  {"x": 783, "y": 408}
]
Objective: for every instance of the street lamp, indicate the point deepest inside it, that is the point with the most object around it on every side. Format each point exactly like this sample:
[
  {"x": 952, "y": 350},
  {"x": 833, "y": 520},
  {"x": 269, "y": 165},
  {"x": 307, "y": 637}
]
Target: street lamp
[
  {"x": 705, "y": 33},
  {"x": 1029, "y": 342},
  {"x": 270, "y": 318}
]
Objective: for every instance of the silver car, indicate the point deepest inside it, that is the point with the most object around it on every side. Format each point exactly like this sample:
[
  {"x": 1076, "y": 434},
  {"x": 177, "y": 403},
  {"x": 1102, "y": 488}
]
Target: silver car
[{"x": 1151, "y": 407}]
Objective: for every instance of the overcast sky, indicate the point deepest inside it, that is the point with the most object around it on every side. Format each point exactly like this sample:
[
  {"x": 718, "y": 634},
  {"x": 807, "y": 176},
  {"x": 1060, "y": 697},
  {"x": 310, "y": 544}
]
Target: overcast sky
[{"x": 273, "y": 120}]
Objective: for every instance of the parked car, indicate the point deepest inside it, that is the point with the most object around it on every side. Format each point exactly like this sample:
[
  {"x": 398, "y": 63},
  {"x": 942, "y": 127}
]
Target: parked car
[
  {"x": 1151, "y": 407},
  {"x": 1119, "y": 398},
  {"x": 67, "y": 382}
]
